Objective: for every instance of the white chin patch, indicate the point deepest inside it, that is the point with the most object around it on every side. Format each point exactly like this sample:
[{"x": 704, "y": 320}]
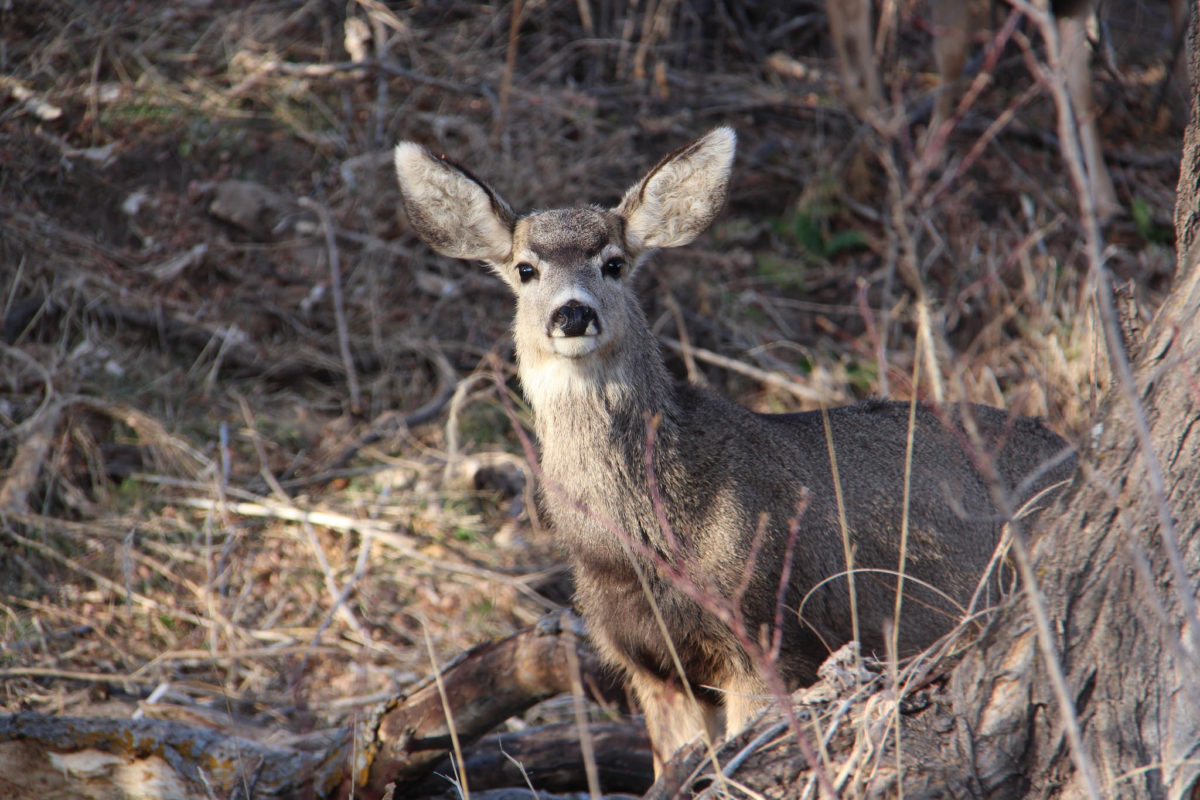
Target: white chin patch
[{"x": 574, "y": 346}]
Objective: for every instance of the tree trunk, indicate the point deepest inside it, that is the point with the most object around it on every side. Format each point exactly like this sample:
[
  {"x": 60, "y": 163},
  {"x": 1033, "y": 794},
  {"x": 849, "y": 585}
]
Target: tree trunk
[{"x": 1187, "y": 196}]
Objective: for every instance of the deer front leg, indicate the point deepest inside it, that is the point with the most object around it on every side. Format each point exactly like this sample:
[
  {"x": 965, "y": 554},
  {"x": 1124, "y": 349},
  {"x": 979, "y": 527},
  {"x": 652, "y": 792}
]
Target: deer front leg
[
  {"x": 744, "y": 695},
  {"x": 673, "y": 718}
]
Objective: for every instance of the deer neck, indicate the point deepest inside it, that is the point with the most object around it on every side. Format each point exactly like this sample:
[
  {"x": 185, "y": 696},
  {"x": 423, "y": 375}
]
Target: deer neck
[{"x": 592, "y": 414}]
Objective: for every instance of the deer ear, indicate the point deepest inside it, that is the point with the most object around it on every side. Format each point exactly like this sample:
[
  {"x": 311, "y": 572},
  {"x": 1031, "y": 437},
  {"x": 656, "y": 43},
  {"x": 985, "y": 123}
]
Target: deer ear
[
  {"x": 454, "y": 212},
  {"x": 679, "y": 198}
]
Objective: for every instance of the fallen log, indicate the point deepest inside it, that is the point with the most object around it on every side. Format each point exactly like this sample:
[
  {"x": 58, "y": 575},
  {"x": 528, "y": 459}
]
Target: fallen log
[
  {"x": 486, "y": 685},
  {"x": 552, "y": 757},
  {"x": 399, "y": 744}
]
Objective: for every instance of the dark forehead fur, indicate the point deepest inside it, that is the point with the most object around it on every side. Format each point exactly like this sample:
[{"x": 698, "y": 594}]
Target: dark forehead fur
[{"x": 569, "y": 234}]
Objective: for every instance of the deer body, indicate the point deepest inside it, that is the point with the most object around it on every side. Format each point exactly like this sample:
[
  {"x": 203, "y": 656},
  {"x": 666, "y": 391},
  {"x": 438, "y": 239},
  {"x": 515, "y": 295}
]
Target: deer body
[{"x": 662, "y": 493}]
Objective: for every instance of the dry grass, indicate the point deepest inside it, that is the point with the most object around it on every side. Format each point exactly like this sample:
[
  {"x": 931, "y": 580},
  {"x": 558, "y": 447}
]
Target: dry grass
[{"x": 224, "y": 482}]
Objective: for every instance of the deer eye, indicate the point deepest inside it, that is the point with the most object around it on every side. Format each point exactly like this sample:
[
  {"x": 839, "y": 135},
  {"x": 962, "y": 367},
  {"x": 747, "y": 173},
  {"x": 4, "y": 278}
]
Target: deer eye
[
  {"x": 612, "y": 268},
  {"x": 526, "y": 272}
]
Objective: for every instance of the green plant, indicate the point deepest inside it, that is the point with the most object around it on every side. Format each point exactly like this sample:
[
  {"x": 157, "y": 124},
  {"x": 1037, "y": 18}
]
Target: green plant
[
  {"x": 785, "y": 272},
  {"x": 1147, "y": 228},
  {"x": 809, "y": 228}
]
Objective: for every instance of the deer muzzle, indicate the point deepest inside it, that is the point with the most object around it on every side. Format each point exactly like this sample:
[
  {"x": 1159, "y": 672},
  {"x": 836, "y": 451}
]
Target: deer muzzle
[{"x": 574, "y": 319}]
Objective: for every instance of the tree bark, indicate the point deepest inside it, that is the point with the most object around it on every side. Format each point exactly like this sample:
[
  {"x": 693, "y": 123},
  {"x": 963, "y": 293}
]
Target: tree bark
[{"x": 1187, "y": 195}]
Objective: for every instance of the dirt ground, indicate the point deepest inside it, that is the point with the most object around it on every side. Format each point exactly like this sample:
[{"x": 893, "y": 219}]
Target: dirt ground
[{"x": 252, "y": 447}]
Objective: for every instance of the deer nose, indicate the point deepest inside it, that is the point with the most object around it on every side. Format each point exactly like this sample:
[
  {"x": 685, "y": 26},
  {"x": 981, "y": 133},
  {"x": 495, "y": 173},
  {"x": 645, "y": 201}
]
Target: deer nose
[{"x": 575, "y": 319}]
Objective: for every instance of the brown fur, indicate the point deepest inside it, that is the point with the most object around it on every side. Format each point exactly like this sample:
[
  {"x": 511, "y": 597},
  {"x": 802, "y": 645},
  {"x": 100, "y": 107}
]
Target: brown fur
[{"x": 724, "y": 475}]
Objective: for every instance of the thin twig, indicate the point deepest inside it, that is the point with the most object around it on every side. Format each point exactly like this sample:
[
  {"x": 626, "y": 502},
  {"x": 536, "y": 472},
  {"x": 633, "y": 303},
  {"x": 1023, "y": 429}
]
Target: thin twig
[
  {"x": 457, "y": 761},
  {"x": 893, "y": 660},
  {"x": 452, "y": 426},
  {"x": 382, "y": 533},
  {"x": 774, "y": 379},
  {"x": 510, "y": 65},
  {"x": 353, "y": 69},
  {"x": 847, "y": 546},
  {"x": 339, "y": 303},
  {"x": 587, "y": 748},
  {"x": 732, "y": 765},
  {"x": 337, "y": 594},
  {"x": 911, "y": 273},
  {"x": 685, "y": 345}
]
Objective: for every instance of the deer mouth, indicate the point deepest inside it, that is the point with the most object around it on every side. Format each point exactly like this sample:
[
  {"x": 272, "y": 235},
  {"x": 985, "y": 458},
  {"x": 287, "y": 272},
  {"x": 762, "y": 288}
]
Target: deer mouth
[{"x": 576, "y": 346}]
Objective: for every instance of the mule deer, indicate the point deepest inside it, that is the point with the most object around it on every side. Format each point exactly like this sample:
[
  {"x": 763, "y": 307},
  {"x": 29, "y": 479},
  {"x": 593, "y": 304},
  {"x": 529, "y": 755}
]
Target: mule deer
[{"x": 639, "y": 473}]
